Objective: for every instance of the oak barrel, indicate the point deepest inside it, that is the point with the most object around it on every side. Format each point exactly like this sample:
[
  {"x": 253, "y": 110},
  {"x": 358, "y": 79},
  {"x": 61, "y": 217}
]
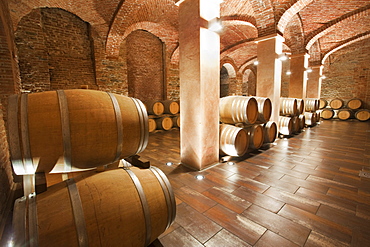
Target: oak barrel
[
  {"x": 233, "y": 140},
  {"x": 311, "y": 105},
  {"x": 327, "y": 113},
  {"x": 345, "y": 114},
  {"x": 256, "y": 136},
  {"x": 323, "y": 103},
  {"x": 354, "y": 104},
  {"x": 310, "y": 118},
  {"x": 300, "y": 106},
  {"x": 170, "y": 107},
  {"x": 362, "y": 115},
  {"x": 120, "y": 207},
  {"x": 154, "y": 107},
  {"x": 296, "y": 126},
  {"x": 264, "y": 109},
  {"x": 152, "y": 125},
  {"x": 74, "y": 128},
  {"x": 336, "y": 104},
  {"x": 302, "y": 121},
  {"x": 176, "y": 121},
  {"x": 238, "y": 109},
  {"x": 164, "y": 123},
  {"x": 288, "y": 106},
  {"x": 285, "y": 125},
  {"x": 270, "y": 132}
]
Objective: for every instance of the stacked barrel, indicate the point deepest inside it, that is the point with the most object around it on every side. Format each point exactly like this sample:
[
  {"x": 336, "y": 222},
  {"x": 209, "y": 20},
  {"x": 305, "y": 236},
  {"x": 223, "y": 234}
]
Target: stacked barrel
[
  {"x": 74, "y": 130},
  {"x": 339, "y": 109},
  {"x": 245, "y": 124},
  {"x": 163, "y": 115},
  {"x": 292, "y": 118},
  {"x": 312, "y": 113}
]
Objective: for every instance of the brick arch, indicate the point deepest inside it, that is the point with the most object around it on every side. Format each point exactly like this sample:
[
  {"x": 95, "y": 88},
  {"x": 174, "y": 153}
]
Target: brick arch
[
  {"x": 249, "y": 79},
  {"x": 230, "y": 66},
  {"x": 165, "y": 33},
  {"x": 332, "y": 25},
  {"x": 132, "y": 12},
  {"x": 290, "y": 13},
  {"x": 89, "y": 13},
  {"x": 265, "y": 16},
  {"x": 344, "y": 44},
  {"x": 294, "y": 35}
]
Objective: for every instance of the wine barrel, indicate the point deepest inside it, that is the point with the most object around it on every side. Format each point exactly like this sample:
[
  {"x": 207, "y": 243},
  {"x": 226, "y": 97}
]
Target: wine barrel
[
  {"x": 238, "y": 109},
  {"x": 288, "y": 106},
  {"x": 264, "y": 109},
  {"x": 154, "y": 107},
  {"x": 302, "y": 121},
  {"x": 233, "y": 140},
  {"x": 120, "y": 207},
  {"x": 311, "y": 105},
  {"x": 362, "y": 115},
  {"x": 354, "y": 104},
  {"x": 176, "y": 121},
  {"x": 256, "y": 138},
  {"x": 323, "y": 103},
  {"x": 336, "y": 104},
  {"x": 300, "y": 106},
  {"x": 152, "y": 125},
  {"x": 310, "y": 118},
  {"x": 296, "y": 126},
  {"x": 345, "y": 114},
  {"x": 164, "y": 123},
  {"x": 73, "y": 129},
  {"x": 270, "y": 132},
  {"x": 285, "y": 125},
  {"x": 327, "y": 113},
  {"x": 171, "y": 107}
]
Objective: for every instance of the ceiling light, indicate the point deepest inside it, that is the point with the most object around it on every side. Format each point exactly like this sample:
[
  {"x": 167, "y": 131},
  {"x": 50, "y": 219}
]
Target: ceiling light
[
  {"x": 309, "y": 70},
  {"x": 169, "y": 164},
  {"x": 255, "y": 62},
  {"x": 288, "y": 72},
  {"x": 215, "y": 25},
  {"x": 283, "y": 57}
]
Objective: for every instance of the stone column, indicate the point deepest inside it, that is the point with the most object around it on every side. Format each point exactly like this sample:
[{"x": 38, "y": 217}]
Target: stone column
[
  {"x": 269, "y": 71},
  {"x": 314, "y": 82},
  {"x": 298, "y": 76},
  {"x": 199, "y": 83}
]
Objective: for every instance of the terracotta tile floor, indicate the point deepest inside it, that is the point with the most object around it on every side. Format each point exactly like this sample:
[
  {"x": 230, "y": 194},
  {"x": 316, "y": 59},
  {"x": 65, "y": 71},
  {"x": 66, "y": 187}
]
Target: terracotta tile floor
[{"x": 301, "y": 191}]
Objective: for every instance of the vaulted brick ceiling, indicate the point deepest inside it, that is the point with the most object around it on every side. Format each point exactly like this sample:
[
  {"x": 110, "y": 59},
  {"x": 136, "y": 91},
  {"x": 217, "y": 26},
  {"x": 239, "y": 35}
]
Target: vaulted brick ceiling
[{"x": 318, "y": 27}]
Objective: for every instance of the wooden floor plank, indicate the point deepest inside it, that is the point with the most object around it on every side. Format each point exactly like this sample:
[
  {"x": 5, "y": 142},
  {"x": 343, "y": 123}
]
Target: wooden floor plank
[
  {"x": 316, "y": 223},
  {"x": 308, "y": 184},
  {"x": 278, "y": 224},
  {"x": 271, "y": 239},
  {"x": 237, "y": 224},
  {"x": 199, "y": 226},
  {"x": 225, "y": 238}
]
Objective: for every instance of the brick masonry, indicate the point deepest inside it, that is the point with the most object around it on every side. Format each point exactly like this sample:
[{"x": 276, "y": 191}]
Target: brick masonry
[{"x": 348, "y": 73}]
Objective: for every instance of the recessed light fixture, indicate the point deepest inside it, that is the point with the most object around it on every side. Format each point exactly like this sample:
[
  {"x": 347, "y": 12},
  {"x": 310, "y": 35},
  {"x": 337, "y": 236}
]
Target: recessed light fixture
[
  {"x": 288, "y": 72},
  {"x": 230, "y": 163},
  {"x": 255, "y": 62},
  {"x": 169, "y": 164},
  {"x": 199, "y": 177}
]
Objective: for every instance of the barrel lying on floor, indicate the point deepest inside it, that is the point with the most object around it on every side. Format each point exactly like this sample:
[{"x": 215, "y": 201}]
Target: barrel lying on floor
[{"x": 120, "y": 207}]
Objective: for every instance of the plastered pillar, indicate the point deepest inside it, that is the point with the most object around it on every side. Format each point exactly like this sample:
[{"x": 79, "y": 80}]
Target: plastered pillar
[
  {"x": 314, "y": 82},
  {"x": 269, "y": 71},
  {"x": 298, "y": 76},
  {"x": 199, "y": 83}
]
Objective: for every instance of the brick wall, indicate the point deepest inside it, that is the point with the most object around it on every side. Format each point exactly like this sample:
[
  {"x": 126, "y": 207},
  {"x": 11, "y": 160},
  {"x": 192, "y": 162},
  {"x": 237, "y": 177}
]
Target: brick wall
[
  {"x": 348, "y": 73},
  {"x": 54, "y": 51},
  {"x": 9, "y": 84},
  {"x": 145, "y": 66}
]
